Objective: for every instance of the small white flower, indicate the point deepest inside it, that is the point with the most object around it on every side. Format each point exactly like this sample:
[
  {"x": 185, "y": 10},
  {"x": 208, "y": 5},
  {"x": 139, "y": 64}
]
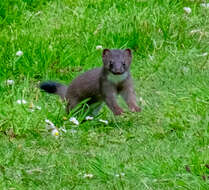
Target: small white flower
[
  {"x": 121, "y": 174},
  {"x": 160, "y": 30},
  {"x": 142, "y": 101},
  {"x": 188, "y": 10},
  {"x": 204, "y": 54},
  {"x": 19, "y": 53},
  {"x": 21, "y": 101},
  {"x": 55, "y": 132},
  {"x": 206, "y": 5},
  {"x": 9, "y": 82},
  {"x": 73, "y": 131},
  {"x": 99, "y": 47},
  {"x": 74, "y": 120},
  {"x": 63, "y": 129},
  {"x": 89, "y": 118},
  {"x": 103, "y": 121},
  {"x": 185, "y": 69},
  {"x": 50, "y": 123},
  {"x": 88, "y": 175},
  {"x": 49, "y": 127},
  {"x": 38, "y": 107},
  {"x": 24, "y": 102},
  {"x": 195, "y": 31}
]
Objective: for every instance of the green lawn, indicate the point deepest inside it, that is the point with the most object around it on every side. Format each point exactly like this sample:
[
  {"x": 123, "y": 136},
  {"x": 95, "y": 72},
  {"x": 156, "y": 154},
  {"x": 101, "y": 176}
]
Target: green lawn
[{"x": 166, "y": 146}]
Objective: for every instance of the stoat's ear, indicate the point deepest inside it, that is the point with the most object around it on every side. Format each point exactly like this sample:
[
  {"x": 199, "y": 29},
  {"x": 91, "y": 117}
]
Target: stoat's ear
[
  {"x": 128, "y": 55},
  {"x": 106, "y": 52},
  {"x": 128, "y": 52}
]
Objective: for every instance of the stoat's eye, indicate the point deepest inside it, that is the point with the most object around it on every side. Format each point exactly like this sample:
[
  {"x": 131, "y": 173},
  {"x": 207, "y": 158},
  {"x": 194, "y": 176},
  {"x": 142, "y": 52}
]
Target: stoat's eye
[{"x": 124, "y": 64}]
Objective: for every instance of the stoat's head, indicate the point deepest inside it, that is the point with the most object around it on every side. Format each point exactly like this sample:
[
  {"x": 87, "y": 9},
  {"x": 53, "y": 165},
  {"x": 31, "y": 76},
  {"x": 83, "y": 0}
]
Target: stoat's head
[{"x": 117, "y": 61}]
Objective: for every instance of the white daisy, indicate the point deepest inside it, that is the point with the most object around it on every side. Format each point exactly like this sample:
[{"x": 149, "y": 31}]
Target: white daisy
[
  {"x": 206, "y": 5},
  {"x": 204, "y": 54},
  {"x": 55, "y": 132},
  {"x": 74, "y": 120},
  {"x": 9, "y": 82},
  {"x": 103, "y": 121},
  {"x": 19, "y": 53},
  {"x": 195, "y": 31},
  {"x": 21, "y": 101},
  {"x": 185, "y": 69},
  {"x": 38, "y": 107},
  {"x": 88, "y": 175},
  {"x": 188, "y": 10},
  {"x": 121, "y": 174},
  {"x": 99, "y": 47},
  {"x": 89, "y": 118}
]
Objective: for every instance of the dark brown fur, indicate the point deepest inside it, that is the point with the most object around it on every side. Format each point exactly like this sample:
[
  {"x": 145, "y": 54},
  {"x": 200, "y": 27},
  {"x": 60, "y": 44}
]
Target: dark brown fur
[{"x": 101, "y": 84}]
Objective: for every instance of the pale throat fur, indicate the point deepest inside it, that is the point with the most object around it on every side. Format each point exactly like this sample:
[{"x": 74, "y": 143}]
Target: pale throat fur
[{"x": 117, "y": 78}]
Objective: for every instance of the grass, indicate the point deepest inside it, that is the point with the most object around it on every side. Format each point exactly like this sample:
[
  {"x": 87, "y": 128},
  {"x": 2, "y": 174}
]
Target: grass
[{"x": 166, "y": 146}]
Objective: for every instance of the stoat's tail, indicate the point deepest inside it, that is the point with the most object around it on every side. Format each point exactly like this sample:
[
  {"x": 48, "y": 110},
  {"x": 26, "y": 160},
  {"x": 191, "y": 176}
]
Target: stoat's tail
[{"x": 54, "y": 88}]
